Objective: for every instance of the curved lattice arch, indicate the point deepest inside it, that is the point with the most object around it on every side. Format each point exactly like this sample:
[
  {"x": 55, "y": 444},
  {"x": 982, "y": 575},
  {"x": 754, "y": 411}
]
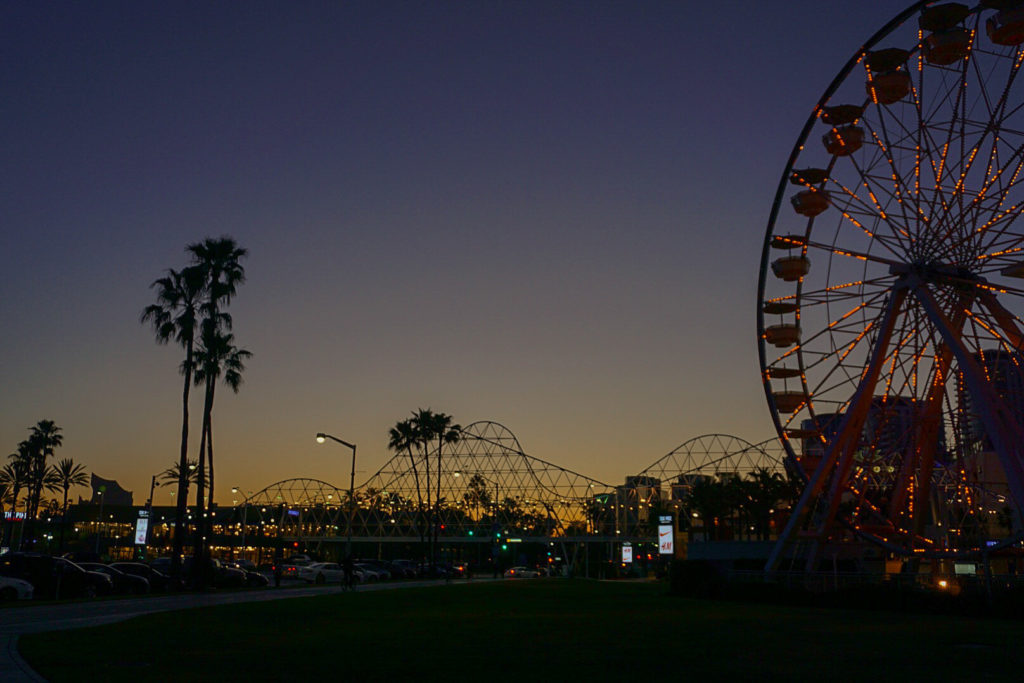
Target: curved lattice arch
[
  {"x": 297, "y": 508},
  {"x": 487, "y": 485},
  {"x": 714, "y": 455}
]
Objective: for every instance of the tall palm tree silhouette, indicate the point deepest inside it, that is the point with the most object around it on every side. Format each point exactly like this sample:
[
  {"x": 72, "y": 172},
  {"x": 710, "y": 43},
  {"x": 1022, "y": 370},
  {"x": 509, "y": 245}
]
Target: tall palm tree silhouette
[
  {"x": 218, "y": 357},
  {"x": 445, "y": 432},
  {"x": 44, "y": 439},
  {"x": 175, "y": 317},
  {"x": 402, "y": 437},
  {"x": 14, "y": 476},
  {"x": 64, "y": 475},
  {"x": 220, "y": 262}
]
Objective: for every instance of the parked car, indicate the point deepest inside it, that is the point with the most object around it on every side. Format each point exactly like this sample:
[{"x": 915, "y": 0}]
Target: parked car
[
  {"x": 403, "y": 569},
  {"x": 126, "y": 584},
  {"x": 521, "y": 573},
  {"x": 322, "y": 572},
  {"x": 220, "y": 576},
  {"x": 245, "y": 565},
  {"x": 158, "y": 580},
  {"x": 383, "y": 569},
  {"x": 15, "y": 589},
  {"x": 54, "y": 577},
  {"x": 369, "y": 573},
  {"x": 252, "y": 577},
  {"x": 425, "y": 571}
]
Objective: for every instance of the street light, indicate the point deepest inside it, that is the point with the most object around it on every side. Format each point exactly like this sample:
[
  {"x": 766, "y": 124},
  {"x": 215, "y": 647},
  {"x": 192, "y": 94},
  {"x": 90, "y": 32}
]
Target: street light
[
  {"x": 320, "y": 438},
  {"x": 245, "y": 510}
]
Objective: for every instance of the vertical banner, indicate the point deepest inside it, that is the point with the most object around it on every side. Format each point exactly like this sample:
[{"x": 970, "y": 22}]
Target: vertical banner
[
  {"x": 666, "y": 536},
  {"x": 627, "y": 553},
  {"x": 142, "y": 527}
]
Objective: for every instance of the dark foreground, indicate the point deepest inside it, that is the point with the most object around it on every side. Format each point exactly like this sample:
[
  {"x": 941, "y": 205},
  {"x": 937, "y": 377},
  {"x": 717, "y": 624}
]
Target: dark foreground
[{"x": 542, "y": 629}]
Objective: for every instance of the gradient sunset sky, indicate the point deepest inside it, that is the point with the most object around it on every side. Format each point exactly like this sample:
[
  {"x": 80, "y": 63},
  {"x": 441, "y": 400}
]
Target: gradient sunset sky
[{"x": 545, "y": 214}]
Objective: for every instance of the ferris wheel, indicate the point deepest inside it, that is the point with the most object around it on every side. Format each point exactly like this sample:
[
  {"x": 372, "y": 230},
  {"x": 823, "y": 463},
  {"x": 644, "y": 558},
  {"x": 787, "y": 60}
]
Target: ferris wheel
[{"x": 891, "y": 291}]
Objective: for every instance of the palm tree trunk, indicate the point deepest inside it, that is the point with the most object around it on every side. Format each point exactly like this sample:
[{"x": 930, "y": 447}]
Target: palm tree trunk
[
  {"x": 35, "y": 489},
  {"x": 209, "y": 450},
  {"x": 419, "y": 494},
  {"x": 199, "y": 554},
  {"x": 63, "y": 519},
  {"x": 181, "y": 504}
]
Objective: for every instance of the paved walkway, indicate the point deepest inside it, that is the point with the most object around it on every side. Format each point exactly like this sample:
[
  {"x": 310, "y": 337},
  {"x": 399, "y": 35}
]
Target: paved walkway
[{"x": 15, "y": 621}]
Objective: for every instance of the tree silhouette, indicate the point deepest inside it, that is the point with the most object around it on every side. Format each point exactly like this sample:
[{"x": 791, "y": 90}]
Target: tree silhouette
[
  {"x": 403, "y": 437},
  {"x": 172, "y": 475},
  {"x": 14, "y": 476},
  {"x": 219, "y": 261},
  {"x": 44, "y": 439},
  {"x": 64, "y": 475},
  {"x": 442, "y": 429},
  {"x": 218, "y": 357},
  {"x": 175, "y": 316}
]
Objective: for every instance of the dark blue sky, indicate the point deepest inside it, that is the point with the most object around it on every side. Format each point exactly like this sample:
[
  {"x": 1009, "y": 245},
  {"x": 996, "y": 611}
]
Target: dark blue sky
[{"x": 544, "y": 214}]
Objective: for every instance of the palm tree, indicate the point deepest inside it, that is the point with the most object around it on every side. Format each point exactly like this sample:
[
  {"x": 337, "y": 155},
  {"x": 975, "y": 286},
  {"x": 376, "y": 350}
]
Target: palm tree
[
  {"x": 217, "y": 357},
  {"x": 402, "y": 437},
  {"x": 13, "y": 477},
  {"x": 445, "y": 432},
  {"x": 44, "y": 439},
  {"x": 761, "y": 493},
  {"x": 219, "y": 261},
  {"x": 175, "y": 316},
  {"x": 64, "y": 475},
  {"x": 423, "y": 428},
  {"x": 712, "y": 500},
  {"x": 172, "y": 475}
]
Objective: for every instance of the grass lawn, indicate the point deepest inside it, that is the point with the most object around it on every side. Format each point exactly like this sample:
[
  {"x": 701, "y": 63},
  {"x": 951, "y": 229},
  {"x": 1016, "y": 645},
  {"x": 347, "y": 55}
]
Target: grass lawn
[{"x": 537, "y": 630}]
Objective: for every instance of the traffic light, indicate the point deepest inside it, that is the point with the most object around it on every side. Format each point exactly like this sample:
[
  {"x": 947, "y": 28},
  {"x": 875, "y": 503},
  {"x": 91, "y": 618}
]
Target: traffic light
[
  {"x": 470, "y": 532},
  {"x": 504, "y": 547}
]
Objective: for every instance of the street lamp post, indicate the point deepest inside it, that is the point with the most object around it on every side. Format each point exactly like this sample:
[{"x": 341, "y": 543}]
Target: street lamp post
[
  {"x": 245, "y": 510},
  {"x": 149, "y": 514},
  {"x": 320, "y": 438}
]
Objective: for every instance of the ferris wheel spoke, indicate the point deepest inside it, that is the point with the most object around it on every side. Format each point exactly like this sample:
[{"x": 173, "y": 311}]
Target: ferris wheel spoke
[
  {"x": 1001, "y": 426},
  {"x": 921, "y": 458},
  {"x": 1006, "y": 321},
  {"x": 838, "y": 456},
  {"x": 1016, "y": 161},
  {"x": 855, "y": 205},
  {"x": 885, "y": 146}
]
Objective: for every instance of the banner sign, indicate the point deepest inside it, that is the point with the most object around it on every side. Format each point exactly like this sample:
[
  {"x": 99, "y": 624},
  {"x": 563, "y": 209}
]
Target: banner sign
[
  {"x": 666, "y": 539},
  {"x": 627, "y": 553},
  {"x": 141, "y": 530}
]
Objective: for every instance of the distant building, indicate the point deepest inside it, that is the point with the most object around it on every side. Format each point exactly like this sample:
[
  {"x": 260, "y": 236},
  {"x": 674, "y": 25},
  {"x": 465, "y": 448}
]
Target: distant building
[
  {"x": 109, "y": 491},
  {"x": 1005, "y": 374},
  {"x": 1004, "y": 371}
]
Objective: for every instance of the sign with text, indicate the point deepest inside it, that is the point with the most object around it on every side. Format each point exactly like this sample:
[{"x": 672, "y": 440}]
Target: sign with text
[
  {"x": 627, "y": 553},
  {"x": 17, "y": 516},
  {"x": 141, "y": 530},
  {"x": 666, "y": 539}
]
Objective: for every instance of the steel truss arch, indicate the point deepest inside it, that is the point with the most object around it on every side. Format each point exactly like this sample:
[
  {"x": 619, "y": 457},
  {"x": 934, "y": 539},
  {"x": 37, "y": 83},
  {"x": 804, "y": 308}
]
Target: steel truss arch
[{"x": 487, "y": 485}]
